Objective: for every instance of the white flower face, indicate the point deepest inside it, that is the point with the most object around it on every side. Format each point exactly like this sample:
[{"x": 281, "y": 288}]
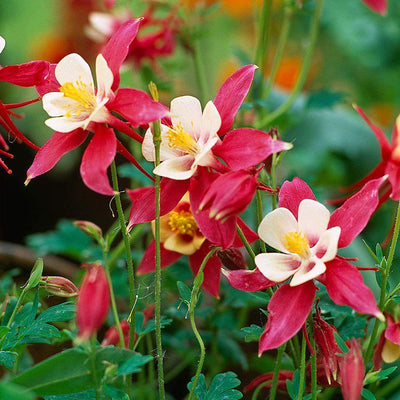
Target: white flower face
[
  {"x": 305, "y": 244},
  {"x": 188, "y": 142},
  {"x": 77, "y": 103}
]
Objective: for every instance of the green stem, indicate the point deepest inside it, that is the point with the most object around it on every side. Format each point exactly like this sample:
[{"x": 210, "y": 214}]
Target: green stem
[
  {"x": 259, "y": 388},
  {"x": 302, "y": 369},
  {"x": 263, "y": 34},
  {"x": 260, "y": 216},
  {"x": 277, "y": 368},
  {"x": 128, "y": 254},
  {"x": 192, "y": 305},
  {"x": 295, "y": 356},
  {"x": 245, "y": 242},
  {"x": 313, "y": 368},
  {"x": 312, "y": 38},
  {"x": 385, "y": 276},
  {"x": 150, "y": 369},
  {"x": 284, "y": 34},
  {"x": 199, "y": 69},
  {"x": 94, "y": 369},
  {"x": 273, "y": 179},
  {"x": 14, "y": 313},
  {"x": 113, "y": 302}
]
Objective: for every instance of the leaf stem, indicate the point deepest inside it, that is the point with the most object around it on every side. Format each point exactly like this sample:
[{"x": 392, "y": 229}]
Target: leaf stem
[
  {"x": 277, "y": 368},
  {"x": 93, "y": 344},
  {"x": 302, "y": 369},
  {"x": 263, "y": 33},
  {"x": 128, "y": 254},
  {"x": 199, "y": 69}
]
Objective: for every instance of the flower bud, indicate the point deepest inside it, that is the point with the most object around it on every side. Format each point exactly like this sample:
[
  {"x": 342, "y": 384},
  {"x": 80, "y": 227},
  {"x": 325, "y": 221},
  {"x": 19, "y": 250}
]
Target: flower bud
[
  {"x": 89, "y": 228},
  {"x": 59, "y": 286},
  {"x": 352, "y": 372},
  {"x": 230, "y": 193},
  {"x": 93, "y": 302},
  {"x": 112, "y": 336},
  {"x": 232, "y": 258}
]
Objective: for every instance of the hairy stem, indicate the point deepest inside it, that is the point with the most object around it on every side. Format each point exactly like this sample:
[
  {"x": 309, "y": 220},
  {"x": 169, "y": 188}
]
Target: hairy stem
[{"x": 277, "y": 368}]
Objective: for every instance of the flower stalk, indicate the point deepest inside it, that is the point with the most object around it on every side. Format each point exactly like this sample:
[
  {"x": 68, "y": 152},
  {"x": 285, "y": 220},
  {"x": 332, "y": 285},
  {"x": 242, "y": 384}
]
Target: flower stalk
[
  {"x": 302, "y": 369},
  {"x": 277, "y": 368}
]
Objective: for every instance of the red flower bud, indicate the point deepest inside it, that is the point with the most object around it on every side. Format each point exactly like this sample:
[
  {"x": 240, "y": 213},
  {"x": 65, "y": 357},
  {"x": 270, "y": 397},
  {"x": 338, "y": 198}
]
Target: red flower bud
[
  {"x": 59, "y": 286},
  {"x": 112, "y": 336},
  {"x": 89, "y": 228},
  {"x": 232, "y": 258},
  {"x": 93, "y": 302},
  {"x": 352, "y": 372},
  {"x": 230, "y": 193}
]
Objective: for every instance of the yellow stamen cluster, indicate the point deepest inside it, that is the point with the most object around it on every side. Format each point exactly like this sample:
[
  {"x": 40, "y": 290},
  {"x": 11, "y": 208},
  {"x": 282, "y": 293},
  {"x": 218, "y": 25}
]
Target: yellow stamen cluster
[
  {"x": 181, "y": 140},
  {"x": 183, "y": 222},
  {"x": 82, "y": 94},
  {"x": 296, "y": 242}
]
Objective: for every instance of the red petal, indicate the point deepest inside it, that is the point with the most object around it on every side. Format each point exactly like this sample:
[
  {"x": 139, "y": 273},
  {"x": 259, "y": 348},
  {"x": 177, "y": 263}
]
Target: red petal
[
  {"x": 28, "y": 74},
  {"x": 137, "y": 107},
  {"x": 292, "y": 193},
  {"x": 379, "y": 6},
  {"x": 50, "y": 84},
  {"x": 269, "y": 376},
  {"x": 288, "y": 311},
  {"x": 393, "y": 171},
  {"x": 382, "y": 139},
  {"x": 143, "y": 200},
  {"x": 148, "y": 263},
  {"x": 58, "y": 145},
  {"x": 231, "y": 95},
  {"x": 392, "y": 333},
  {"x": 248, "y": 280},
  {"x": 352, "y": 372},
  {"x": 220, "y": 233},
  {"x": 246, "y": 147},
  {"x": 345, "y": 286},
  {"x": 97, "y": 158},
  {"x": 117, "y": 47},
  {"x": 212, "y": 270},
  {"x": 354, "y": 214}
]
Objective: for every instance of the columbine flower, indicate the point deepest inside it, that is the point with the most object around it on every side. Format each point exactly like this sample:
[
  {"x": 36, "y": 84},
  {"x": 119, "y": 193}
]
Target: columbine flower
[
  {"x": 388, "y": 347},
  {"x": 308, "y": 237},
  {"x": 76, "y": 106},
  {"x": 188, "y": 142}
]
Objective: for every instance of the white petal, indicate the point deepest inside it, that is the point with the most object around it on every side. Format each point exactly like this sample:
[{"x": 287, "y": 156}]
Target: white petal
[
  {"x": 166, "y": 152},
  {"x": 104, "y": 76},
  {"x": 308, "y": 271},
  {"x": 2, "y": 44},
  {"x": 64, "y": 124},
  {"x": 56, "y": 104},
  {"x": 103, "y": 23},
  {"x": 313, "y": 219},
  {"x": 210, "y": 123},
  {"x": 179, "y": 168},
  {"x": 276, "y": 267},
  {"x": 326, "y": 248},
  {"x": 74, "y": 68},
  {"x": 275, "y": 226},
  {"x": 186, "y": 111},
  {"x": 206, "y": 157}
]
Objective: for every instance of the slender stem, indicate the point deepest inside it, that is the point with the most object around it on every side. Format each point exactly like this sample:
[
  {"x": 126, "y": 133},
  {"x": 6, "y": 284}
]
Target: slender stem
[
  {"x": 94, "y": 369},
  {"x": 14, "y": 313},
  {"x": 277, "y": 368},
  {"x": 260, "y": 216},
  {"x": 199, "y": 69},
  {"x": 113, "y": 302},
  {"x": 295, "y": 356},
  {"x": 157, "y": 237},
  {"x": 193, "y": 302},
  {"x": 313, "y": 368},
  {"x": 385, "y": 275},
  {"x": 259, "y": 388},
  {"x": 302, "y": 369},
  {"x": 150, "y": 369},
  {"x": 273, "y": 180},
  {"x": 128, "y": 254},
  {"x": 284, "y": 34},
  {"x": 245, "y": 242},
  {"x": 263, "y": 33},
  {"x": 303, "y": 73}
]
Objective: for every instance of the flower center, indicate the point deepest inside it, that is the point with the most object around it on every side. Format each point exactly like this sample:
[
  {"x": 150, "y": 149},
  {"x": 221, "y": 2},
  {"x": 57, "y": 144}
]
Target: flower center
[
  {"x": 183, "y": 222},
  {"x": 296, "y": 242},
  {"x": 181, "y": 140},
  {"x": 82, "y": 94}
]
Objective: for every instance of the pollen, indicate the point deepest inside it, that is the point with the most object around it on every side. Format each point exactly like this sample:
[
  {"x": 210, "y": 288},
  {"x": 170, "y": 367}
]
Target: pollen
[
  {"x": 181, "y": 140},
  {"x": 183, "y": 222},
  {"x": 82, "y": 94},
  {"x": 296, "y": 242}
]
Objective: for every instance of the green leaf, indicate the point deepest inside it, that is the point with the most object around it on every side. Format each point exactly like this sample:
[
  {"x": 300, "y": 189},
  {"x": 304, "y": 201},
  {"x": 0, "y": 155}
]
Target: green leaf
[
  {"x": 133, "y": 364},
  {"x": 230, "y": 350},
  {"x": 69, "y": 371},
  {"x": 371, "y": 252},
  {"x": 151, "y": 325},
  {"x": 378, "y": 375},
  {"x": 293, "y": 385},
  {"x": 86, "y": 395},
  {"x": 131, "y": 172},
  {"x": 58, "y": 313},
  {"x": 379, "y": 252},
  {"x": 36, "y": 274},
  {"x": 368, "y": 395},
  {"x": 114, "y": 393},
  {"x": 325, "y": 99},
  {"x": 9, "y": 391},
  {"x": 341, "y": 343},
  {"x": 7, "y": 358},
  {"x": 222, "y": 387},
  {"x": 184, "y": 291},
  {"x": 252, "y": 333}
]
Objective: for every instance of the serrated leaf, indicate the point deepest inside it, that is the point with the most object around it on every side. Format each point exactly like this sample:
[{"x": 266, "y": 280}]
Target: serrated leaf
[
  {"x": 184, "y": 291},
  {"x": 59, "y": 313},
  {"x": 252, "y": 333},
  {"x": 8, "y": 358},
  {"x": 134, "y": 364},
  {"x": 222, "y": 387}
]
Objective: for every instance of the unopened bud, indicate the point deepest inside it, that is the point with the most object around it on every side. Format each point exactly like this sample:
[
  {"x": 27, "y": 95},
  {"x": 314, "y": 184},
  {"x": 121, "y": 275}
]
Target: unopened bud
[
  {"x": 90, "y": 229},
  {"x": 59, "y": 286},
  {"x": 232, "y": 258}
]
